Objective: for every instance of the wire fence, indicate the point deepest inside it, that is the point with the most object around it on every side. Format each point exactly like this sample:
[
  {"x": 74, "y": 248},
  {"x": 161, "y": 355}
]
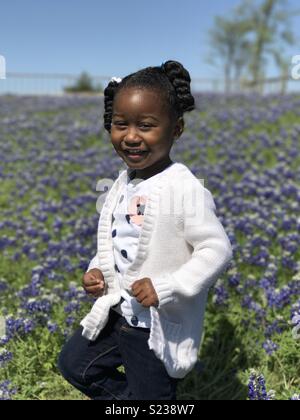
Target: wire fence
[
  {"x": 42, "y": 83},
  {"x": 54, "y": 84}
]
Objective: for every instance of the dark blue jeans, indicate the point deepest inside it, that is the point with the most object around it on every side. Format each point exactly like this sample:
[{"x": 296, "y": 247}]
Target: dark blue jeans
[{"x": 91, "y": 367}]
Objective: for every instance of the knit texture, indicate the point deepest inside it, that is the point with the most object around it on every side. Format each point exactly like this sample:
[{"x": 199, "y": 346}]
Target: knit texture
[
  {"x": 183, "y": 248},
  {"x": 128, "y": 219}
]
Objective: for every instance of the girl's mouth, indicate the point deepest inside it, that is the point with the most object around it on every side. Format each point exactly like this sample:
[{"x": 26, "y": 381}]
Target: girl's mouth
[{"x": 135, "y": 157}]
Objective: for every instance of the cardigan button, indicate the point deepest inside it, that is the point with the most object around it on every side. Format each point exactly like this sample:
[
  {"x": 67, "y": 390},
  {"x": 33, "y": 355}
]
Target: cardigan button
[{"x": 134, "y": 320}]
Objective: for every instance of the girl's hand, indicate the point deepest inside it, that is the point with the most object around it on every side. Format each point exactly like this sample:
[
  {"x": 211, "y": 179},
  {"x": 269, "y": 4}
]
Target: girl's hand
[
  {"x": 145, "y": 293},
  {"x": 93, "y": 282}
]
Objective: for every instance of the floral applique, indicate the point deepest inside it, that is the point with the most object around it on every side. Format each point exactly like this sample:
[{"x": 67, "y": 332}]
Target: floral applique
[{"x": 136, "y": 209}]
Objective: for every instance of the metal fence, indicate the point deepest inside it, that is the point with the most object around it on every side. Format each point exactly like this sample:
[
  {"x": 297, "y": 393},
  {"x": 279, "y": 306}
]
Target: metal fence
[
  {"x": 54, "y": 84},
  {"x": 283, "y": 84},
  {"x": 42, "y": 83}
]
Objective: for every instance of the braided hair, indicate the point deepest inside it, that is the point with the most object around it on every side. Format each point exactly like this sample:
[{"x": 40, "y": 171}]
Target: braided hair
[{"x": 170, "y": 79}]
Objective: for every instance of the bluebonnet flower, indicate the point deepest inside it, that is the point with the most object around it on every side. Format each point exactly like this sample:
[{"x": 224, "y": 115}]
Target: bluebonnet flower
[
  {"x": 72, "y": 307},
  {"x": 5, "y": 357},
  {"x": 52, "y": 326},
  {"x": 270, "y": 347},
  {"x": 34, "y": 305},
  {"x": 70, "y": 321},
  {"x": 18, "y": 326},
  {"x": 4, "y": 340},
  {"x": 295, "y": 309},
  {"x": 234, "y": 278},
  {"x": 220, "y": 294},
  {"x": 296, "y": 317},
  {"x": 57, "y": 224},
  {"x": 296, "y": 323},
  {"x": 278, "y": 298},
  {"x": 33, "y": 289},
  {"x": 38, "y": 270},
  {"x": 257, "y": 388},
  {"x": 249, "y": 303},
  {"x": 3, "y": 285},
  {"x": 6, "y": 391},
  {"x": 6, "y": 242},
  {"x": 274, "y": 328}
]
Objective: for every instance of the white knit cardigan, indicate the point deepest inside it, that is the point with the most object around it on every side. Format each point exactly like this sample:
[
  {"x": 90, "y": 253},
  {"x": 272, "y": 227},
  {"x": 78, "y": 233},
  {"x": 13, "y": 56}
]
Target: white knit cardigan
[{"x": 183, "y": 249}]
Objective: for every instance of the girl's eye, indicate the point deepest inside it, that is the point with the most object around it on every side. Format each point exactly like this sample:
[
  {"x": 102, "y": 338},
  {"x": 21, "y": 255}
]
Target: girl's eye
[
  {"x": 118, "y": 123},
  {"x": 119, "y": 126},
  {"x": 146, "y": 125},
  {"x": 122, "y": 124}
]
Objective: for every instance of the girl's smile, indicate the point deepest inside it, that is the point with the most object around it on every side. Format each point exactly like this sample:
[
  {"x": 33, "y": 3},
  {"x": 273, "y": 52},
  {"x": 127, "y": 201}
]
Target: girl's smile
[
  {"x": 135, "y": 157},
  {"x": 143, "y": 131}
]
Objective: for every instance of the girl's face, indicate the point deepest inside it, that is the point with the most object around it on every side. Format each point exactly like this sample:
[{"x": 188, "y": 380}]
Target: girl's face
[{"x": 141, "y": 122}]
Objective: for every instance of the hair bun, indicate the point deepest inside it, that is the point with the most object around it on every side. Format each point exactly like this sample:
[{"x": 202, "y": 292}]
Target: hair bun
[{"x": 181, "y": 80}]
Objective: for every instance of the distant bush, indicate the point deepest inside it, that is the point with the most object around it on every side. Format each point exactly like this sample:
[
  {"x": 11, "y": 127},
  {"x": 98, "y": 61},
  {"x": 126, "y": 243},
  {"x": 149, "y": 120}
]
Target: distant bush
[{"x": 84, "y": 84}]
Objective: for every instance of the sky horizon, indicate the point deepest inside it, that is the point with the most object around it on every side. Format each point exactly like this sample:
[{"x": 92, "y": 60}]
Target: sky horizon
[{"x": 112, "y": 38}]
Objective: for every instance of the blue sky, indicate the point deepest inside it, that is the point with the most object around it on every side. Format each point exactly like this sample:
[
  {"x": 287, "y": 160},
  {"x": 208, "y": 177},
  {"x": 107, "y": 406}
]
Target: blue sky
[{"x": 110, "y": 37}]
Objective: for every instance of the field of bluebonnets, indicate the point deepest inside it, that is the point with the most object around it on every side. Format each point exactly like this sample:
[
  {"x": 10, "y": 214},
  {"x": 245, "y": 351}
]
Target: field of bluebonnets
[{"x": 247, "y": 148}]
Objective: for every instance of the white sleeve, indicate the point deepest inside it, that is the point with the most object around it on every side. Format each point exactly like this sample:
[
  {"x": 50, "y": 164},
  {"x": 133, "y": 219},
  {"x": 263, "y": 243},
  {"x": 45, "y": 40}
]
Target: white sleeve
[
  {"x": 94, "y": 263},
  {"x": 212, "y": 249}
]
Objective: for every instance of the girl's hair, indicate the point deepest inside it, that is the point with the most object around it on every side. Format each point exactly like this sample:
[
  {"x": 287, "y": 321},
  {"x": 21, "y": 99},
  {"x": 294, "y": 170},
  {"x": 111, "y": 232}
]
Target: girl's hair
[{"x": 170, "y": 79}]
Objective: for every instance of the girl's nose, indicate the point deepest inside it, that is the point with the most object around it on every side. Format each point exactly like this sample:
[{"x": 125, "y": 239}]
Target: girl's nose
[{"x": 132, "y": 137}]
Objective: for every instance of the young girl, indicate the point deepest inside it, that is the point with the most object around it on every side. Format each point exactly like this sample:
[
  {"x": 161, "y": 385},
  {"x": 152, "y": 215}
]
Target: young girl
[{"x": 160, "y": 248}]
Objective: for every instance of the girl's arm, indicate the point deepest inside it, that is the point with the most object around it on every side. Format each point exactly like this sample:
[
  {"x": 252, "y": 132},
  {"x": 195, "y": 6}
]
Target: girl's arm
[
  {"x": 94, "y": 263},
  {"x": 212, "y": 250}
]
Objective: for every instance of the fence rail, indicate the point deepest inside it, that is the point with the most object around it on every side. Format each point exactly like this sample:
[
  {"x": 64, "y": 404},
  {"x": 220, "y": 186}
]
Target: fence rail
[{"x": 54, "y": 84}]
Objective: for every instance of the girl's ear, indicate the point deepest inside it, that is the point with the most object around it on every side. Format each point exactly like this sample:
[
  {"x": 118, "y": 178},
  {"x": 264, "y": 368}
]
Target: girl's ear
[{"x": 179, "y": 127}]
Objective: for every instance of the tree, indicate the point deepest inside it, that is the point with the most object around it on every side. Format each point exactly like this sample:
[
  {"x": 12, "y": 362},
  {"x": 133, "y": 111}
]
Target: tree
[
  {"x": 83, "y": 84},
  {"x": 230, "y": 46},
  {"x": 254, "y": 34},
  {"x": 269, "y": 30}
]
